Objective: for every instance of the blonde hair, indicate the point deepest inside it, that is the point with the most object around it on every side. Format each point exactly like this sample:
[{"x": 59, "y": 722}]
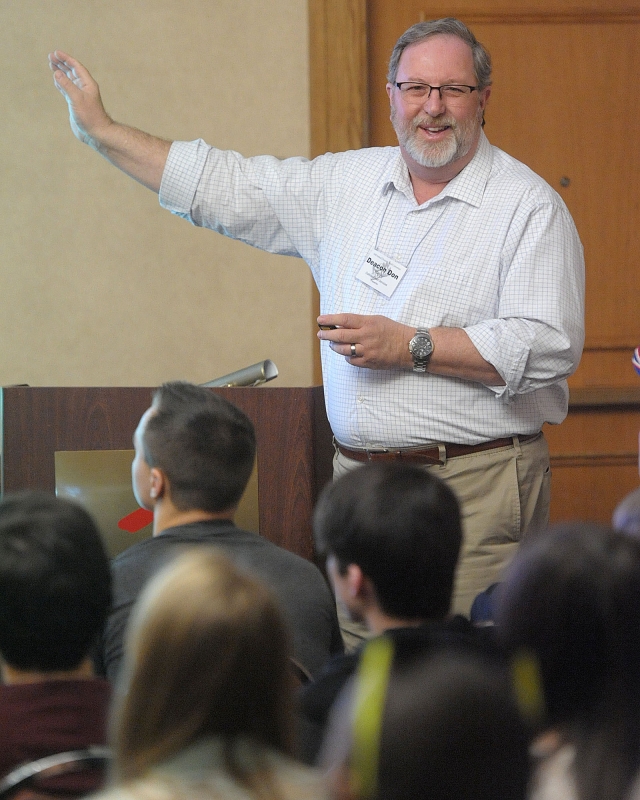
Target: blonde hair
[{"x": 206, "y": 655}]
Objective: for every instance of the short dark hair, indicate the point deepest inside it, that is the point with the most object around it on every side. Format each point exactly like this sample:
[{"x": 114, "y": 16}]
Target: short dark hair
[
  {"x": 55, "y": 582},
  {"x": 204, "y": 444},
  {"x": 449, "y": 26},
  {"x": 401, "y": 525}
]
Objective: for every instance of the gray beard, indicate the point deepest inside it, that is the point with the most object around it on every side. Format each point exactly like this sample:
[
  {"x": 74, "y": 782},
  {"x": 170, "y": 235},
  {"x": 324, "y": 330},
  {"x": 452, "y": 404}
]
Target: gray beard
[{"x": 435, "y": 154}]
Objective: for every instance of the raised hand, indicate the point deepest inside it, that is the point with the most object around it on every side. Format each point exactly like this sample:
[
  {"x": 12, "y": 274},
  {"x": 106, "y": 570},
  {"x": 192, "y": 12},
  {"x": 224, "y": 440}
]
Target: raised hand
[
  {"x": 135, "y": 152},
  {"x": 86, "y": 111}
]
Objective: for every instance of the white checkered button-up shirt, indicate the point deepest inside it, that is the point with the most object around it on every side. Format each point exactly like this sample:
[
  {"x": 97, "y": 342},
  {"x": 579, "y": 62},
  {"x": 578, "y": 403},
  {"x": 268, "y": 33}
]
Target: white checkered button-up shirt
[{"x": 495, "y": 253}]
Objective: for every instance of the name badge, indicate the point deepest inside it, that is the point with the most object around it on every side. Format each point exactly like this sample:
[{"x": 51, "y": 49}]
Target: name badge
[{"x": 381, "y": 273}]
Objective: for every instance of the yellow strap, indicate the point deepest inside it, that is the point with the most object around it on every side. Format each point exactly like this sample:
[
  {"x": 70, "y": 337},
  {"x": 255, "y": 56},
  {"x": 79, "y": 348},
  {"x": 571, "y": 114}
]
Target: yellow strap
[
  {"x": 527, "y": 683},
  {"x": 372, "y": 678}
]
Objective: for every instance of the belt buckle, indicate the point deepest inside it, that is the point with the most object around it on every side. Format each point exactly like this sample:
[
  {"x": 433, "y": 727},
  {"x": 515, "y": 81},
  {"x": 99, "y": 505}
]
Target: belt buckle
[{"x": 384, "y": 451}]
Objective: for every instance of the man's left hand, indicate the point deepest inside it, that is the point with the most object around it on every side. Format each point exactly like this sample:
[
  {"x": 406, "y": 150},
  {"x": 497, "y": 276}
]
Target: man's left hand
[{"x": 379, "y": 342}]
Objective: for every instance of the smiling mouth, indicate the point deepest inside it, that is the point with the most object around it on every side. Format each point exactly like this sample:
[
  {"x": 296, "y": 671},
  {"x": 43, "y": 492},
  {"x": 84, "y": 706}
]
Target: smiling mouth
[
  {"x": 433, "y": 130},
  {"x": 433, "y": 127}
]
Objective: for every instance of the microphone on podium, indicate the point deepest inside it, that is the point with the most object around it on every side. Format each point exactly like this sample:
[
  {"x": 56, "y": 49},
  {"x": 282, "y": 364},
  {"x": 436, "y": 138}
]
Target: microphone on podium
[{"x": 254, "y": 375}]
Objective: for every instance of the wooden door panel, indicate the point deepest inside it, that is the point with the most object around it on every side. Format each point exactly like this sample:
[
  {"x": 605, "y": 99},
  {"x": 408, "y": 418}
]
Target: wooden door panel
[{"x": 589, "y": 493}]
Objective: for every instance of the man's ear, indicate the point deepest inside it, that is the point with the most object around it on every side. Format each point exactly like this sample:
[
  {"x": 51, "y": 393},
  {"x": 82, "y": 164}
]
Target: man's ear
[
  {"x": 355, "y": 580},
  {"x": 158, "y": 482}
]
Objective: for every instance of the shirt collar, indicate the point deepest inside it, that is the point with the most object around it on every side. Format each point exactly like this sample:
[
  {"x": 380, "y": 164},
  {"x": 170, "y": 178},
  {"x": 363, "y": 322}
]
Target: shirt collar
[{"x": 468, "y": 185}]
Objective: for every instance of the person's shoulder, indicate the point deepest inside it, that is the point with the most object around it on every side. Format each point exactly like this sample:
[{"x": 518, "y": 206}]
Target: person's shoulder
[
  {"x": 96, "y": 688},
  {"x": 133, "y": 566},
  {"x": 372, "y": 154},
  {"x": 364, "y": 164},
  {"x": 279, "y": 557},
  {"x": 317, "y": 697},
  {"x": 262, "y": 543},
  {"x": 455, "y": 632},
  {"x": 515, "y": 175},
  {"x": 135, "y": 551},
  {"x": 298, "y": 781},
  {"x": 196, "y": 533}
]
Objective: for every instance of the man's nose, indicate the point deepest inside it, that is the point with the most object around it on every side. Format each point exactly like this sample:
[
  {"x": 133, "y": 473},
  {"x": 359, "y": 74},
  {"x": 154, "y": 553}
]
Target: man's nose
[{"x": 434, "y": 104}]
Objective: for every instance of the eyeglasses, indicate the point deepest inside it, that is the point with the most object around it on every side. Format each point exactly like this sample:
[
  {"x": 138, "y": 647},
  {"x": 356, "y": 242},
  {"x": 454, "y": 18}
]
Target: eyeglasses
[{"x": 422, "y": 91}]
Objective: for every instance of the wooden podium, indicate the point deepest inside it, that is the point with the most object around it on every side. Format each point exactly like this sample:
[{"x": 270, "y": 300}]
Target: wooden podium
[{"x": 294, "y": 443}]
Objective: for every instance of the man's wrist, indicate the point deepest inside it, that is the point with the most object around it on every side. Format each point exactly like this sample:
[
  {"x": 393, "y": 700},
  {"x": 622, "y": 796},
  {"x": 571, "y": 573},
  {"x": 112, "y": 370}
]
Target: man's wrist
[{"x": 421, "y": 349}]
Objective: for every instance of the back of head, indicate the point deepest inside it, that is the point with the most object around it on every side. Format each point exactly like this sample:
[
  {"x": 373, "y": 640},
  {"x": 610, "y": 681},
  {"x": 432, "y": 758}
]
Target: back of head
[
  {"x": 204, "y": 444},
  {"x": 55, "y": 583},
  {"x": 449, "y": 26},
  {"x": 451, "y": 729},
  {"x": 571, "y": 597},
  {"x": 401, "y": 526},
  {"x": 206, "y": 655}
]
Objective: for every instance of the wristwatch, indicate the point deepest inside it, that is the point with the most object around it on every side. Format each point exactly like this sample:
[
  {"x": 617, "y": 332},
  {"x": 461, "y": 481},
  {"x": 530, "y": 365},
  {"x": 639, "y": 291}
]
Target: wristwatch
[{"x": 421, "y": 349}]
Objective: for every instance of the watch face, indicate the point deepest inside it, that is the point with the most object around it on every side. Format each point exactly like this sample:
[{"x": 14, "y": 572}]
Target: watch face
[{"x": 421, "y": 346}]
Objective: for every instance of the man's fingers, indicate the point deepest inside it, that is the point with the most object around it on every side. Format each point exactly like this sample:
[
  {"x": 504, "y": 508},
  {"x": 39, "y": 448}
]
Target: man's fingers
[
  {"x": 350, "y": 351},
  {"x": 63, "y": 60},
  {"x": 341, "y": 320},
  {"x": 67, "y": 68}
]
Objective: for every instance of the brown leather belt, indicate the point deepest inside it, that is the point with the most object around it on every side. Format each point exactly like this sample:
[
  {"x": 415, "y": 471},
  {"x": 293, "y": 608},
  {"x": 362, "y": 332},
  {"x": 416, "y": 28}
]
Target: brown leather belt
[{"x": 431, "y": 455}]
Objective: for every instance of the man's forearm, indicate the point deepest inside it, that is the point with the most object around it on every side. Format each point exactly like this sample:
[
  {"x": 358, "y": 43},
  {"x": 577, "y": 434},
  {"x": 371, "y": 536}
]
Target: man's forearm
[
  {"x": 138, "y": 154},
  {"x": 455, "y": 356}
]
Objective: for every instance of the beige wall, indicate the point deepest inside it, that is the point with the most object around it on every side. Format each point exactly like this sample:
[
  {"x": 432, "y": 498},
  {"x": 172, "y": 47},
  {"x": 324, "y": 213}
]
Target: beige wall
[{"x": 98, "y": 284}]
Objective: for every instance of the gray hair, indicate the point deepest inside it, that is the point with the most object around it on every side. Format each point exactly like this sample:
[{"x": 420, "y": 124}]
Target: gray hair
[{"x": 450, "y": 27}]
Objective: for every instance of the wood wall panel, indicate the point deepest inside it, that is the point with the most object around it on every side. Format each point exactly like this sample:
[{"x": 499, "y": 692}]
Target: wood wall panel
[
  {"x": 594, "y": 459},
  {"x": 589, "y": 492},
  {"x": 338, "y": 70},
  {"x": 338, "y": 88}
]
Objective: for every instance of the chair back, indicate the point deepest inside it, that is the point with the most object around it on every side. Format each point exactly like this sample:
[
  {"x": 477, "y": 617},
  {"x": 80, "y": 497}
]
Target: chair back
[{"x": 29, "y": 776}]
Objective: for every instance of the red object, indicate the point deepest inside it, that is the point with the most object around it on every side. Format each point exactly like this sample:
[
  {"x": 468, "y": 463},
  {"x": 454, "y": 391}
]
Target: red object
[{"x": 136, "y": 520}]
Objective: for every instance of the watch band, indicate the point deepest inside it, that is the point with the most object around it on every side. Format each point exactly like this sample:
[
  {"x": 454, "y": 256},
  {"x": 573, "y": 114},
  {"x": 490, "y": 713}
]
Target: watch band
[{"x": 421, "y": 349}]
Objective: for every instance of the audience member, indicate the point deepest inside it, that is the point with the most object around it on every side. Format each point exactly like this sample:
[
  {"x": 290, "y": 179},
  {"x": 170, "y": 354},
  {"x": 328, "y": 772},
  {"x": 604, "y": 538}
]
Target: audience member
[
  {"x": 194, "y": 454},
  {"x": 626, "y": 515},
  {"x": 205, "y": 707},
  {"x": 391, "y": 534},
  {"x": 570, "y": 599},
  {"x": 55, "y": 590},
  {"x": 446, "y": 726}
]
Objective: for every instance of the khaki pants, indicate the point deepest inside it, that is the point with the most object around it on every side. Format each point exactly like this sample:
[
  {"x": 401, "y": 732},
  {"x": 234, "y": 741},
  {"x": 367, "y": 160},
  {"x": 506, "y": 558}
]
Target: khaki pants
[{"x": 503, "y": 493}]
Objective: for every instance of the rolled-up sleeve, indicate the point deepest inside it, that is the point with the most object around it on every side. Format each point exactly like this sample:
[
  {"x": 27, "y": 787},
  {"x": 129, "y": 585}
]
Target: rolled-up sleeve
[
  {"x": 538, "y": 336},
  {"x": 263, "y": 201}
]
